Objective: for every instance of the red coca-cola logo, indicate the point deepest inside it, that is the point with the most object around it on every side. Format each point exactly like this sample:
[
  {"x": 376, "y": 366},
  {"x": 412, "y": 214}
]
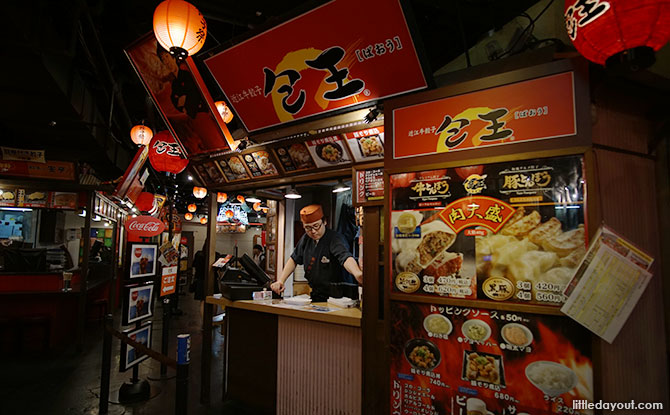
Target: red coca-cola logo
[
  {"x": 145, "y": 226},
  {"x": 138, "y": 252},
  {"x": 133, "y": 295}
]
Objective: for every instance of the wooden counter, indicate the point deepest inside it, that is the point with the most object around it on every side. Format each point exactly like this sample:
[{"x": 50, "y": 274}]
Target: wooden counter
[
  {"x": 285, "y": 361},
  {"x": 344, "y": 316}
]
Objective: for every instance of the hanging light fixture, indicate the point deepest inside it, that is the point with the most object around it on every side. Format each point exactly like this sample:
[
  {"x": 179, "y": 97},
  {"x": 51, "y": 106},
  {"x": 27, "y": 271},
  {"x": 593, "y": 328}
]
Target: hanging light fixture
[
  {"x": 618, "y": 33},
  {"x": 291, "y": 193},
  {"x": 179, "y": 28},
  {"x": 192, "y": 207},
  {"x": 224, "y": 110},
  {"x": 188, "y": 216},
  {"x": 257, "y": 206},
  {"x": 253, "y": 199},
  {"x": 203, "y": 220},
  {"x": 230, "y": 213},
  {"x": 340, "y": 187},
  {"x": 221, "y": 197},
  {"x": 240, "y": 198},
  {"x": 141, "y": 135},
  {"x": 199, "y": 192}
]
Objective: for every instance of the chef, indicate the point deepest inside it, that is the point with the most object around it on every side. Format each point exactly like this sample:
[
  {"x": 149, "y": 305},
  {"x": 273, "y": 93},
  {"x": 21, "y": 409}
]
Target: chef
[{"x": 323, "y": 253}]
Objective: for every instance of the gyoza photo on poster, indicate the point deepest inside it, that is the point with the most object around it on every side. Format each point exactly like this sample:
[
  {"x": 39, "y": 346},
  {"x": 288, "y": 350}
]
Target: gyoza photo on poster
[
  {"x": 142, "y": 260},
  {"x": 138, "y": 302}
]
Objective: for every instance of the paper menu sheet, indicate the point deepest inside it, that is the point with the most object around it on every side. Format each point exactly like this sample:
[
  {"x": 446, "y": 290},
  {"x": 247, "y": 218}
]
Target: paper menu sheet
[{"x": 607, "y": 284}]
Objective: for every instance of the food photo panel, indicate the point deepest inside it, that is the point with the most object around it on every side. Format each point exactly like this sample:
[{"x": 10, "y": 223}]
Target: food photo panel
[
  {"x": 366, "y": 145},
  {"x": 508, "y": 362},
  {"x": 512, "y": 232},
  {"x": 142, "y": 258},
  {"x": 130, "y": 356},
  {"x": 329, "y": 151},
  {"x": 137, "y": 303}
]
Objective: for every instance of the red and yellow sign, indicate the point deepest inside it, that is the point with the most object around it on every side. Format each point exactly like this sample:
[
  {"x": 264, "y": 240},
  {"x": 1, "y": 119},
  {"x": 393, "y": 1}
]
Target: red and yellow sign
[
  {"x": 530, "y": 110},
  {"x": 55, "y": 170},
  {"x": 318, "y": 62},
  {"x": 472, "y": 211}
]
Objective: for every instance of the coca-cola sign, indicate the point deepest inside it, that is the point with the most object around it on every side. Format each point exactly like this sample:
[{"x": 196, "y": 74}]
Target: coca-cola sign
[{"x": 145, "y": 226}]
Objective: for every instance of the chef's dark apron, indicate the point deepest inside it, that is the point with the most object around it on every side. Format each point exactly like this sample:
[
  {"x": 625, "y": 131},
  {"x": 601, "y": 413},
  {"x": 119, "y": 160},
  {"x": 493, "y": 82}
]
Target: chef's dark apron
[{"x": 322, "y": 269}]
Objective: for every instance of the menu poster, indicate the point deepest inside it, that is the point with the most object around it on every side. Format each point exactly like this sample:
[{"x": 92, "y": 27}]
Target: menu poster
[
  {"x": 32, "y": 198},
  {"x": 457, "y": 360},
  {"x": 203, "y": 174},
  {"x": 366, "y": 145},
  {"x": 252, "y": 166},
  {"x": 8, "y": 197},
  {"x": 236, "y": 167},
  {"x": 266, "y": 166},
  {"x": 510, "y": 231},
  {"x": 63, "y": 200},
  {"x": 294, "y": 157},
  {"x": 613, "y": 268},
  {"x": 213, "y": 172},
  {"x": 328, "y": 151},
  {"x": 369, "y": 185}
]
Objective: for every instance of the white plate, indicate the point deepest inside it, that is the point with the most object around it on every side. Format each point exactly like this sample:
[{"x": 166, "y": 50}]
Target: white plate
[
  {"x": 548, "y": 389},
  {"x": 525, "y": 329},
  {"x": 440, "y": 317},
  {"x": 477, "y": 322},
  {"x": 297, "y": 301}
]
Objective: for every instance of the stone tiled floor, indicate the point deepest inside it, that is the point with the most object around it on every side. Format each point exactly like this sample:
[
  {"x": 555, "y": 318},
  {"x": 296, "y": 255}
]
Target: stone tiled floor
[{"x": 68, "y": 383}]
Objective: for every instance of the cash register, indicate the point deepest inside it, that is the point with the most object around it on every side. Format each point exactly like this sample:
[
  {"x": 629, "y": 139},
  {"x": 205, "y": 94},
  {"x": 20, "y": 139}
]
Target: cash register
[{"x": 239, "y": 283}]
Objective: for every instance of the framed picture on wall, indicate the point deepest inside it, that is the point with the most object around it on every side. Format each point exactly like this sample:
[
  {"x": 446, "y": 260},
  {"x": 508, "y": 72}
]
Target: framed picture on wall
[
  {"x": 271, "y": 228},
  {"x": 141, "y": 260},
  {"x": 137, "y": 302},
  {"x": 271, "y": 259},
  {"x": 130, "y": 356}
]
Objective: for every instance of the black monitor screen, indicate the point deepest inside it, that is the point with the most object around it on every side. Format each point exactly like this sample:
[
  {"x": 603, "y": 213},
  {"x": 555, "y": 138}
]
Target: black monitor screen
[{"x": 255, "y": 271}]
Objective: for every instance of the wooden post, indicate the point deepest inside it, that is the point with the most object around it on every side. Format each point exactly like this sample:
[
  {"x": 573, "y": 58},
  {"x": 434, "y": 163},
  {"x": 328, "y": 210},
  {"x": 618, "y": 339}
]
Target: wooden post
[
  {"x": 81, "y": 307},
  {"x": 210, "y": 251}
]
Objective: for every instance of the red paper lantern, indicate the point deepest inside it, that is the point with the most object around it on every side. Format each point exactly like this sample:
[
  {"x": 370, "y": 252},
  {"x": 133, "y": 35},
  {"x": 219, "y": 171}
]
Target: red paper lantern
[
  {"x": 230, "y": 213},
  {"x": 145, "y": 202},
  {"x": 257, "y": 206},
  {"x": 616, "y": 31},
  {"x": 199, "y": 192},
  {"x": 192, "y": 207},
  {"x": 203, "y": 220},
  {"x": 165, "y": 154},
  {"x": 240, "y": 198},
  {"x": 179, "y": 28},
  {"x": 226, "y": 113},
  {"x": 221, "y": 197},
  {"x": 188, "y": 216}
]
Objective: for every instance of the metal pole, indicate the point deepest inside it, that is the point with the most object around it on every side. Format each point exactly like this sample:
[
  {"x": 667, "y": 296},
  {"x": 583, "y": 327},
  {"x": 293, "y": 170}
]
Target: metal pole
[
  {"x": 166, "y": 332},
  {"x": 210, "y": 249},
  {"x": 106, "y": 366},
  {"x": 183, "y": 359}
]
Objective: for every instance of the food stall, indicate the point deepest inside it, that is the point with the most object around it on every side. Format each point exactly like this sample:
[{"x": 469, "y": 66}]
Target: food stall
[
  {"x": 59, "y": 258},
  {"x": 494, "y": 192}
]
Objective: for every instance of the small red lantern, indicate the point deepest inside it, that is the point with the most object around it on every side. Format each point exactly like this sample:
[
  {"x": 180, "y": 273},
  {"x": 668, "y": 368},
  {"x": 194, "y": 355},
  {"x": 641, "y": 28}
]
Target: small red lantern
[
  {"x": 165, "y": 154},
  {"x": 188, "y": 216},
  {"x": 199, "y": 192},
  {"x": 230, "y": 213},
  {"x": 192, "y": 207},
  {"x": 257, "y": 206},
  {"x": 226, "y": 113},
  {"x": 240, "y": 198},
  {"x": 615, "y": 32},
  {"x": 203, "y": 220},
  {"x": 141, "y": 135},
  {"x": 221, "y": 197},
  {"x": 145, "y": 202}
]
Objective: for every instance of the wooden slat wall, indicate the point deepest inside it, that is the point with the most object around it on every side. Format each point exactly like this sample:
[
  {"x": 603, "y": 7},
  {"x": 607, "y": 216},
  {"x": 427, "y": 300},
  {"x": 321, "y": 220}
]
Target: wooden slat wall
[
  {"x": 635, "y": 365},
  {"x": 318, "y": 368}
]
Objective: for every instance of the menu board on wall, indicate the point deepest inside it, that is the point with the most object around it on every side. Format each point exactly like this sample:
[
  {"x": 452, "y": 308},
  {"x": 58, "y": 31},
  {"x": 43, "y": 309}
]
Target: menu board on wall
[
  {"x": 234, "y": 169},
  {"x": 213, "y": 171},
  {"x": 203, "y": 174},
  {"x": 458, "y": 360},
  {"x": 369, "y": 185},
  {"x": 328, "y": 151},
  {"x": 264, "y": 163},
  {"x": 64, "y": 200},
  {"x": 510, "y": 231},
  {"x": 366, "y": 145},
  {"x": 32, "y": 198},
  {"x": 294, "y": 157},
  {"x": 8, "y": 197}
]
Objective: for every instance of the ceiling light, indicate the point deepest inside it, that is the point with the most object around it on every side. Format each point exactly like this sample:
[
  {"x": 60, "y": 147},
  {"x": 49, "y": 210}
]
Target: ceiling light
[
  {"x": 96, "y": 218},
  {"x": 253, "y": 199},
  {"x": 341, "y": 187},
  {"x": 190, "y": 177},
  {"x": 291, "y": 193},
  {"x": 17, "y": 209},
  {"x": 82, "y": 213}
]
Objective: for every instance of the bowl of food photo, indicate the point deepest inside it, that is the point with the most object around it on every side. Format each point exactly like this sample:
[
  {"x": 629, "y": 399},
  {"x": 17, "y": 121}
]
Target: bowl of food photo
[
  {"x": 422, "y": 354},
  {"x": 330, "y": 152},
  {"x": 516, "y": 334},
  {"x": 476, "y": 330},
  {"x": 437, "y": 324},
  {"x": 551, "y": 378}
]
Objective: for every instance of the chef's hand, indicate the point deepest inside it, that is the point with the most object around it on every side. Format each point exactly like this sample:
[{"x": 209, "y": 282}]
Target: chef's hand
[{"x": 277, "y": 287}]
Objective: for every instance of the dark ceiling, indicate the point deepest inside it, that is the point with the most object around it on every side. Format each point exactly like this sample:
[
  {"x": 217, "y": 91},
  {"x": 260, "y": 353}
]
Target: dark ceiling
[{"x": 68, "y": 88}]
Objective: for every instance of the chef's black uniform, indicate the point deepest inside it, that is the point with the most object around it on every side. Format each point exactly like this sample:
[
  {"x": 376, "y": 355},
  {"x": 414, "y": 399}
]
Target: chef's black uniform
[{"x": 323, "y": 265}]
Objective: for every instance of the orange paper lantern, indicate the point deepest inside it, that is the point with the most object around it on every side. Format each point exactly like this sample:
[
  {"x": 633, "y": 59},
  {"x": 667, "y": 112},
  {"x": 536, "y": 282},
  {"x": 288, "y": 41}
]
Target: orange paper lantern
[
  {"x": 199, "y": 192},
  {"x": 257, "y": 206},
  {"x": 221, "y": 197},
  {"x": 192, "y": 207},
  {"x": 188, "y": 216},
  {"x": 179, "y": 28},
  {"x": 141, "y": 135},
  {"x": 226, "y": 113},
  {"x": 240, "y": 198},
  {"x": 203, "y": 220},
  {"x": 230, "y": 213}
]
